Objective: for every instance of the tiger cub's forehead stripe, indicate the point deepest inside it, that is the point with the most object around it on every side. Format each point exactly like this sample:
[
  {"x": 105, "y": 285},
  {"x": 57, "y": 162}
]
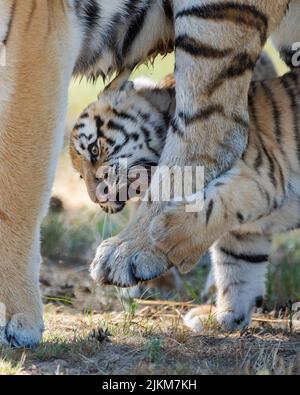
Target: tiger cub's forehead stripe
[
  {"x": 124, "y": 115},
  {"x": 99, "y": 121},
  {"x": 79, "y": 126},
  {"x": 113, "y": 125},
  {"x": 100, "y": 134}
]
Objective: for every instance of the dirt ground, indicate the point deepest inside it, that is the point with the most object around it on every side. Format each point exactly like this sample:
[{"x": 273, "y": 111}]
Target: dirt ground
[{"x": 83, "y": 336}]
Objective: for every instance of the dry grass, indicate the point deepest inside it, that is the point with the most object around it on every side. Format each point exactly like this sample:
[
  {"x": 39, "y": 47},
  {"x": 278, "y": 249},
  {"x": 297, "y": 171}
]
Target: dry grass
[
  {"x": 145, "y": 337},
  {"x": 152, "y": 341},
  {"x": 11, "y": 367}
]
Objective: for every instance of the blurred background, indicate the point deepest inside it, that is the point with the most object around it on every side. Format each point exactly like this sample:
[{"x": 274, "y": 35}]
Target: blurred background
[{"x": 75, "y": 226}]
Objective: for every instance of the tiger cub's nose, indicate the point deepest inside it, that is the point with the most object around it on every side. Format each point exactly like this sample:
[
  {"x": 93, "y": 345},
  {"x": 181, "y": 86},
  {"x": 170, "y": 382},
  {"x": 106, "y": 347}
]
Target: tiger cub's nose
[{"x": 102, "y": 192}]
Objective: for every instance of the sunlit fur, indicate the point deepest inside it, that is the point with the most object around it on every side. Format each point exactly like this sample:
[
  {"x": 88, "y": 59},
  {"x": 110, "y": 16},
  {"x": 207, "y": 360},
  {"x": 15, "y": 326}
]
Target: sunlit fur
[
  {"x": 33, "y": 102},
  {"x": 46, "y": 42}
]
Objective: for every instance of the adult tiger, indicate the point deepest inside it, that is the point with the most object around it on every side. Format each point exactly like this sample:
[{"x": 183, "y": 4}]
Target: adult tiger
[{"x": 217, "y": 44}]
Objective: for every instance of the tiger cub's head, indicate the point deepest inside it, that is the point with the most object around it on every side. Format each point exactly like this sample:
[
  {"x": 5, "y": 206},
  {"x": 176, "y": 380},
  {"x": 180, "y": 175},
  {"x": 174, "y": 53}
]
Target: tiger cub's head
[{"x": 127, "y": 126}]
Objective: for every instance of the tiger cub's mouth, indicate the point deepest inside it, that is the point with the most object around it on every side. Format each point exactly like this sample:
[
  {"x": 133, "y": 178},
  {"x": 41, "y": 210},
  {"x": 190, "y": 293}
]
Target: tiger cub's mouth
[
  {"x": 112, "y": 197},
  {"x": 112, "y": 207}
]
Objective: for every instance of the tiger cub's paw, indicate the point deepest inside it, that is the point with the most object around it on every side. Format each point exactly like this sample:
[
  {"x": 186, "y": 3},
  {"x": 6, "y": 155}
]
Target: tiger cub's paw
[
  {"x": 127, "y": 260},
  {"x": 239, "y": 316},
  {"x": 231, "y": 321}
]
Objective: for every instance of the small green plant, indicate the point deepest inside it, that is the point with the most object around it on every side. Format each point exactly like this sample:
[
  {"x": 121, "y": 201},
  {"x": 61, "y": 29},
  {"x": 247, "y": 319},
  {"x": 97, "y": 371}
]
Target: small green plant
[
  {"x": 129, "y": 306},
  {"x": 153, "y": 349},
  {"x": 196, "y": 283},
  {"x": 54, "y": 349}
]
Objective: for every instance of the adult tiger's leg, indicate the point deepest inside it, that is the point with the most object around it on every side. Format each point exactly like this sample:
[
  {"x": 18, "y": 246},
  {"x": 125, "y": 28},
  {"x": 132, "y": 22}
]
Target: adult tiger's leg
[
  {"x": 240, "y": 265},
  {"x": 217, "y": 45},
  {"x": 40, "y": 56}
]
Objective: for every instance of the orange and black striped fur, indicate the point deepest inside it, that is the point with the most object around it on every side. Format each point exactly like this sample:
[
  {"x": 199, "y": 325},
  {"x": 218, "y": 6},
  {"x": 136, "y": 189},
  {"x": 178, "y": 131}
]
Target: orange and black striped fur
[
  {"x": 217, "y": 44},
  {"x": 130, "y": 124}
]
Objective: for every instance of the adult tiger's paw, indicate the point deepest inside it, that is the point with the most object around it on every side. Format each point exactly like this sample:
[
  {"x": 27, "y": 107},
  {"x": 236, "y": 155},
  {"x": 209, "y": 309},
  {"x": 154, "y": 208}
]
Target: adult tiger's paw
[
  {"x": 22, "y": 331},
  {"x": 128, "y": 259}
]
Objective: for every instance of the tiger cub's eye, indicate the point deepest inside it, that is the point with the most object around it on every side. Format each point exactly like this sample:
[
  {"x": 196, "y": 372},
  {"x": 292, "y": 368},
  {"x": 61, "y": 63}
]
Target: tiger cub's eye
[{"x": 95, "y": 150}]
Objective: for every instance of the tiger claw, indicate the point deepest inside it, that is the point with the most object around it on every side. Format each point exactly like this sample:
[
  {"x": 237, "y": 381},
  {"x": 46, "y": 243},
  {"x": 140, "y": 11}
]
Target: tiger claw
[{"x": 124, "y": 264}]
